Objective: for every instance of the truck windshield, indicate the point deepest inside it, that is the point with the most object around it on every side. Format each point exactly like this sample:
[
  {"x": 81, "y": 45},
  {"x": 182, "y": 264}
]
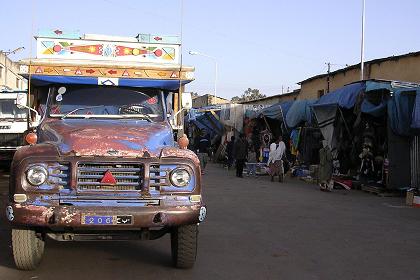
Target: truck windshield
[
  {"x": 9, "y": 110},
  {"x": 106, "y": 102}
]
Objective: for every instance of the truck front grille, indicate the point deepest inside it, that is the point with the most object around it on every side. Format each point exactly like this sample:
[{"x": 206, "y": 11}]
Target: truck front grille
[
  {"x": 158, "y": 176},
  {"x": 128, "y": 176},
  {"x": 59, "y": 174}
]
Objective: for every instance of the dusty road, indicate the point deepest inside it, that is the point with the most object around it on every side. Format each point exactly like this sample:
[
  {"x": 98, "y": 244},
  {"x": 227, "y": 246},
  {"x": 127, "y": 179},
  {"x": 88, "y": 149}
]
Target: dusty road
[{"x": 255, "y": 230}]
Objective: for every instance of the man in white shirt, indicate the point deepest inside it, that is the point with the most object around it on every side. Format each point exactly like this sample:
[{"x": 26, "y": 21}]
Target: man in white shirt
[{"x": 275, "y": 163}]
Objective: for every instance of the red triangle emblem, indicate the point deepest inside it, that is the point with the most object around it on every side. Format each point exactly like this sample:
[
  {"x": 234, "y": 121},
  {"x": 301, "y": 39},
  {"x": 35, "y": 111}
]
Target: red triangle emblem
[
  {"x": 108, "y": 178},
  {"x": 126, "y": 74}
]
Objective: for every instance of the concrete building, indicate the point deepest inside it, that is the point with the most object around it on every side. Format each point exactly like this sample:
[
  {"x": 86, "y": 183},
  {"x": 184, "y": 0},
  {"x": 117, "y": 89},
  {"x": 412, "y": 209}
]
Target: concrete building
[
  {"x": 270, "y": 100},
  {"x": 9, "y": 77},
  {"x": 404, "y": 67},
  {"x": 208, "y": 99}
]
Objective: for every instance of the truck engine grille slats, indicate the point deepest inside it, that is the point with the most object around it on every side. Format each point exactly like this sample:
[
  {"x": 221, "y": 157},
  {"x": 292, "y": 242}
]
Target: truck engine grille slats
[
  {"x": 128, "y": 177},
  {"x": 59, "y": 174},
  {"x": 158, "y": 177}
]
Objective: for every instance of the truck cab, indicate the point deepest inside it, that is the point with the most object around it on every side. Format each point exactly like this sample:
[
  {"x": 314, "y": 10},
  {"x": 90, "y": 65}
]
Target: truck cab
[{"x": 104, "y": 164}]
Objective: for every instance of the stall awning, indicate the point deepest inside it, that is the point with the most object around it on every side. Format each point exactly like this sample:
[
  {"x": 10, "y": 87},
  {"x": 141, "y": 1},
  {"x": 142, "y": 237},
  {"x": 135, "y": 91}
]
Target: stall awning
[
  {"x": 300, "y": 111},
  {"x": 344, "y": 97},
  {"x": 276, "y": 111}
]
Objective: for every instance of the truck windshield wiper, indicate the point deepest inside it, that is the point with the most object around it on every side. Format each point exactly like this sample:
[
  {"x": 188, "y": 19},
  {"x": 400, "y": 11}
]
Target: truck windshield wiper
[
  {"x": 141, "y": 116},
  {"x": 81, "y": 108}
]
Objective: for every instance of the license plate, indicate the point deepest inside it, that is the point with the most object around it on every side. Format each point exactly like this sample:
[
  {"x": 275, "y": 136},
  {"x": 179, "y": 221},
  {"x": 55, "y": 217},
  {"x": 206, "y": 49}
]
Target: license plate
[{"x": 107, "y": 220}]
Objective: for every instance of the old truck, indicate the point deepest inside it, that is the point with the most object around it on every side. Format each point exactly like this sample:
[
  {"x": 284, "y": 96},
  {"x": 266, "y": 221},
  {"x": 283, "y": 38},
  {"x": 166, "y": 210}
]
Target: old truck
[
  {"x": 103, "y": 164},
  {"x": 14, "y": 123}
]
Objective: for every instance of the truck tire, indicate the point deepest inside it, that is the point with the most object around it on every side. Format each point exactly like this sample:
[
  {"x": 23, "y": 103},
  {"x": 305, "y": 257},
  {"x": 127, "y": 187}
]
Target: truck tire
[
  {"x": 184, "y": 246},
  {"x": 27, "y": 249}
]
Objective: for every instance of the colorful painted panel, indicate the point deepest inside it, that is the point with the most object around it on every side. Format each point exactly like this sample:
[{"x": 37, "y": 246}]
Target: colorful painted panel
[
  {"x": 109, "y": 72},
  {"x": 105, "y": 50}
]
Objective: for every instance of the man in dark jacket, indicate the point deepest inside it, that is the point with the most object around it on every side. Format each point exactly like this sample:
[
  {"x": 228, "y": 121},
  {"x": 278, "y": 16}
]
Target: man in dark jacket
[
  {"x": 229, "y": 151},
  {"x": 240, "y": 154},
  {"x": 202, "y": 145}
]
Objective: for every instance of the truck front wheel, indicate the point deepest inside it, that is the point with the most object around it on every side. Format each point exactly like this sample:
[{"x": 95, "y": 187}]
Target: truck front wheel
[
  {"x": 27, "y": 249},
  {"x": 184, "y": 245}
]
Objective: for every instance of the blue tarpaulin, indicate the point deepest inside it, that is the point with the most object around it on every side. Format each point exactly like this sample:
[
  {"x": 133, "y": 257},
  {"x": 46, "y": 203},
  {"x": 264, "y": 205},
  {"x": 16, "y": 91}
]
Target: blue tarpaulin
[
  {"x": 345, "y": 97},
  {"x": 300, "y": 111},
  {"x": 210, "y": 123},
  {"x": 400, "y": 111},
  {"x": 277, "y": 111},
  {"x": 416, "y": 112},
  {"x": 373, "y": 109}
]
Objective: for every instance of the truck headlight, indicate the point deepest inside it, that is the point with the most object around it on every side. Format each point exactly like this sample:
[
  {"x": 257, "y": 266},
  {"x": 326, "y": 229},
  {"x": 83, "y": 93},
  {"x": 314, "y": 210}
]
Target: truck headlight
[
  {"x": 37, "y": 175},
  {"x": 180, "y": 177}
]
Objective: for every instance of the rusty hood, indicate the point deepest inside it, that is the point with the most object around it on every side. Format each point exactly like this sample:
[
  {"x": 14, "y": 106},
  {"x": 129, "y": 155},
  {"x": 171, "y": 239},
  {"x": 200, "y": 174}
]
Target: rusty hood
[{"x": 128, "y": 138}]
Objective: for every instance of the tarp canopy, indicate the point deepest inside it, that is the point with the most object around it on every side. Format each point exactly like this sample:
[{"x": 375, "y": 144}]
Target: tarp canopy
[
  {"x": 344, "y": 97},
  {"x": 209, "y": 122},
  {"x": 43, "y": 80},
  {"x": 416, "y": 112},
  {"x": 300, "y": 111},
  {"x": 401, "y": 109},
  {"x": 400, "y": 105},
  {"x": 375, "y": 110},
  {"x": 325, "y": 117},
  {"x": 276, "y": 111}
]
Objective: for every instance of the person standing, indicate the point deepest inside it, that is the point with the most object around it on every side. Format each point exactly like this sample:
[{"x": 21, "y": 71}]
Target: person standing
[
  {"x": 240, "y": 154},
  {"x": 325, "y": 167},
  {"x": 202, "y": 145},
  {"x": 229, "y": 151},
  {"x": 275, "y": 162}
]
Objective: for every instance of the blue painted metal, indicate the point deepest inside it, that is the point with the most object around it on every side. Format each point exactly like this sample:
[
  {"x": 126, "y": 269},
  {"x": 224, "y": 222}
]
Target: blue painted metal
[{"x": 42, "y": 80}]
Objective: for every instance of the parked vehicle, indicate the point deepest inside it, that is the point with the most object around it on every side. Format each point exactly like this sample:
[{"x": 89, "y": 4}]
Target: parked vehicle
[
  {"x": 13, "y": 124},
  {"x": 103, "y": 164}
]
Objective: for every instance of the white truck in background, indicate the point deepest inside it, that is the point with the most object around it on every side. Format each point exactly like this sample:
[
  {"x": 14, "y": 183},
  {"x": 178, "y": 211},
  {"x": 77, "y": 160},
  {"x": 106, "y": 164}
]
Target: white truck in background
[{"x": 13, "y": 124}]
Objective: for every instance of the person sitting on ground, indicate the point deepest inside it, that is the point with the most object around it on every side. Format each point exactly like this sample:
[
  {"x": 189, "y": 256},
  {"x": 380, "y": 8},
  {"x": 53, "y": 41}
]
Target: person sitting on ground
[{"x": 275, "y": 163}]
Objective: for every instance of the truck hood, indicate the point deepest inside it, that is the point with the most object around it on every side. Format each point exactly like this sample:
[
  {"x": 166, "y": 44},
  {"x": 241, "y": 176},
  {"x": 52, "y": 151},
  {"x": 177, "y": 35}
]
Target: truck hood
[{"x": 116, "y": 138}]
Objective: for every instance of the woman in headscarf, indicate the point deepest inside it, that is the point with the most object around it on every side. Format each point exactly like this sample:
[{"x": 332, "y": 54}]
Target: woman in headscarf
[{"x": 275, "y": 163}]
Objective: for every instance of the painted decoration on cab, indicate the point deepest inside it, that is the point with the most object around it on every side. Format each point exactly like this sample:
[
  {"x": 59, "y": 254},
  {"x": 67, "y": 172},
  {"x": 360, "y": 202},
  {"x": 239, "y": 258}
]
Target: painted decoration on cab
[{"x": 99, "y": 50}]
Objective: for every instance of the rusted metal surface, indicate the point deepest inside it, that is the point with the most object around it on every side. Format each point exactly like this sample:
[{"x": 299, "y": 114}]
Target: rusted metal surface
[
  {"x": 71, "y": 216},
  {"x": 63, "y": 144},
  {"x": 121, "y": 138}
]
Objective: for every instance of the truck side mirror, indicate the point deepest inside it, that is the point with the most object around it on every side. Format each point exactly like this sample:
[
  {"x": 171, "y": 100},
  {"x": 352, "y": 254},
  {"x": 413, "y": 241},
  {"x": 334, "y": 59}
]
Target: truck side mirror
[
  {"x": 186, "y": 100},
  {"x": 36, "y": 121},
  {"x": 21, "y": 100}
]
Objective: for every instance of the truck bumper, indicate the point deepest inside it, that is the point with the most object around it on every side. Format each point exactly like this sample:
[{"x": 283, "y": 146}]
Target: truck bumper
[{"x": 64, "y": 218}]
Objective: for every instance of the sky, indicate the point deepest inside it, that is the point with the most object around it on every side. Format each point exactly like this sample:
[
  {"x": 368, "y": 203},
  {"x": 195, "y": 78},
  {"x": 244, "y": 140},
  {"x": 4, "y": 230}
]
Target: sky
[{"x": 267, "y": 44}]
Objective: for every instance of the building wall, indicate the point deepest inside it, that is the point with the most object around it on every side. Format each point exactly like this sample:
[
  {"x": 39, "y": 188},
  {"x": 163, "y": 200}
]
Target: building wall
[
  {"x": 217, "y": 100},
  {"x": 400, "y": 69},
  {"x": 206, "y": 100},
  {"x": 268, "y": 101},
  {"x": 11, "y": 79}
]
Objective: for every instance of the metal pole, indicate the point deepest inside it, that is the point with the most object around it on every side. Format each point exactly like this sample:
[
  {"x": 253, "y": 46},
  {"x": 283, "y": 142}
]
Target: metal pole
[
  {"x": 5, "y": 70},
  {"x": 362, "y": 47},
  {"x": 328, "y": 76},
  {"x": 215, "y": 79}
]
